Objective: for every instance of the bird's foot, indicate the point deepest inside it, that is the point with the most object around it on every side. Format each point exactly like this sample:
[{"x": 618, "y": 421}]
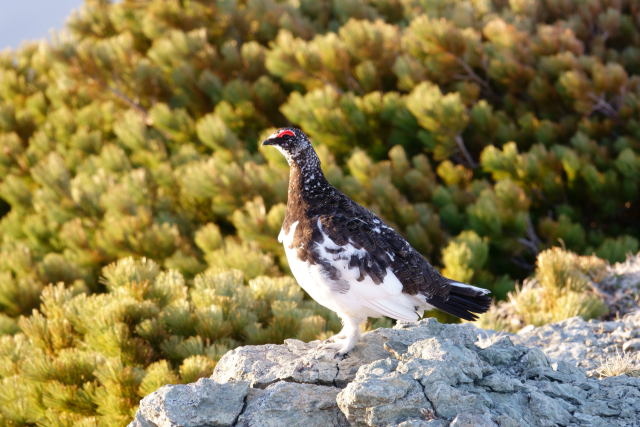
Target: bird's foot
[
  {"x": 339, "y": 348},
  {"x": 345, "y": 340},
  {"x": 341, "y": 344}
]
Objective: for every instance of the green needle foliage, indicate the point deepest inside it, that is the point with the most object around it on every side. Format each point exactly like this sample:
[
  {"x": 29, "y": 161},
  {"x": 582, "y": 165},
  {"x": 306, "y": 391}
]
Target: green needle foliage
[
  {"x": 484, "y": 131},
  {"x": 85, "y": 359}
]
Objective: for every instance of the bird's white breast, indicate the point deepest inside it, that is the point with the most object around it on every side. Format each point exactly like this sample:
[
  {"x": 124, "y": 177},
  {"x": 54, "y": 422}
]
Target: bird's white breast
[
  {"x": 309, "y": 276},
  {"x": 346, "y": 294}
]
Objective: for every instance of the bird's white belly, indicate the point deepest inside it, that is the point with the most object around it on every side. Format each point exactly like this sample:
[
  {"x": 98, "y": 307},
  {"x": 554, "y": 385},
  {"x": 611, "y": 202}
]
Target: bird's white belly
[
  {"x": 311, "y": 279},
  {"x": 357, "y": 298}
]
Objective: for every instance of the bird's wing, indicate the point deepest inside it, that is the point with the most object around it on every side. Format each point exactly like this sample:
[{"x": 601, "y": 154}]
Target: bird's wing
[
  {"x": 385, "y": 247},
  {"x": 367, "y": 254}
]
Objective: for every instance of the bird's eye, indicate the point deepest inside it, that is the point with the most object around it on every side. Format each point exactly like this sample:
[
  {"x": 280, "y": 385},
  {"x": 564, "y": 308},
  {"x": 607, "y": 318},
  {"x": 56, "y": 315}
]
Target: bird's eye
[{"x": 285, "y": 132}]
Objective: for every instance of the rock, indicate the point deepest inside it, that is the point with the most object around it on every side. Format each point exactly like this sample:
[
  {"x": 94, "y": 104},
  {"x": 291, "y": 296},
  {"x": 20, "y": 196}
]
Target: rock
[
  {"x": 584, "y": 343},
  {"x": 414, "y": 375},
  {"x": 204, "y": 403},
  {"x": 620, "y": 286},
  {"x": 631, "y": 345},
  {"x": 472, "y": 420},
  {"x": 379, "y": 397},
  {"x": 296, "y": 361},
  {"x": 291, "y": 405}
]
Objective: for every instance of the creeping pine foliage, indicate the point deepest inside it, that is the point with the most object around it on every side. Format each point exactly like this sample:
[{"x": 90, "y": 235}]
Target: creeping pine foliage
[
  {"x": 84, "y": 359},
  {"x": 139, "y": 215}
]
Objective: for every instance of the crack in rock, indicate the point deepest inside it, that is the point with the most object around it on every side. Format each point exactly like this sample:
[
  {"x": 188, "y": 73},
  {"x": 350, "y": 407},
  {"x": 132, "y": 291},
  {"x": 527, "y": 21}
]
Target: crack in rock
[{"x": 244, "y": 406}]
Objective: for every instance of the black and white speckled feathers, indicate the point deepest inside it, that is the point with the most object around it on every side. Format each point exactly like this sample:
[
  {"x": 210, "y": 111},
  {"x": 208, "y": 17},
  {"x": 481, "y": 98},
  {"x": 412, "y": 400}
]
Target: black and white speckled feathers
[{"x": 350, "y": 247}]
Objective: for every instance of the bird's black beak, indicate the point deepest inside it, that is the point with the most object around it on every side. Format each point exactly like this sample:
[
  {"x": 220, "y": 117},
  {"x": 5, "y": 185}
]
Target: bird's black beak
[{"x": 271, "y": 141}]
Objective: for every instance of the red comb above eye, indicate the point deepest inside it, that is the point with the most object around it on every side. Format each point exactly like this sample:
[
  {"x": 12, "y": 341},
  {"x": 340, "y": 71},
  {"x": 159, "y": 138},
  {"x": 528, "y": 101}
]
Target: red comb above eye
[{"x": 285, "y": 132}]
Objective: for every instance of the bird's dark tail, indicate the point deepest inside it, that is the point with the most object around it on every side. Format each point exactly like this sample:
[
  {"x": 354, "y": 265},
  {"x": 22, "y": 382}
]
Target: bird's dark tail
[{"x": 464, "y": 301}]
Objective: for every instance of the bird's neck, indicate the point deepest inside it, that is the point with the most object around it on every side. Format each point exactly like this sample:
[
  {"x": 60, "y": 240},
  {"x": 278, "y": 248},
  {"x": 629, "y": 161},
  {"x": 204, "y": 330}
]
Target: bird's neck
[{"x": 308, "y": 188}]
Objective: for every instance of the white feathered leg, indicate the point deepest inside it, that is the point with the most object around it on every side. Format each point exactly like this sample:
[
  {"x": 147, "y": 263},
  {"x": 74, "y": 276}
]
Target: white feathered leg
[{"x": 347, "y": 338}]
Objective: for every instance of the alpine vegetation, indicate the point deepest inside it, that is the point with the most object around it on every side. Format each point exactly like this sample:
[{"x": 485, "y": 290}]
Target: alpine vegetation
[
  {"x": 139, "y": 214},
  {"x": 350, "y": 261}
]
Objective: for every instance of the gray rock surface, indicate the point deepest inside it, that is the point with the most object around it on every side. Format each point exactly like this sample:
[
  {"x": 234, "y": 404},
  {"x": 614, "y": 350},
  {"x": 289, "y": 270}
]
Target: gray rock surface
[
  {"x": 204, "y": 403},
  {"x": 296, "y": 361},
  {"x": 586, "y": 344},
  {"x": 621, "y": 286},
  {"x": 419, "y": 374},
  {"x": 293, "y": 404}
]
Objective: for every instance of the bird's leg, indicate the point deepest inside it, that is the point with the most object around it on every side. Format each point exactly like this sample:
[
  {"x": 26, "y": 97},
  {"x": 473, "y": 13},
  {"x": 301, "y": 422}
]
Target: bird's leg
[
  {"x": 347, "y": 338},
  {"x": 351, "y": 338},
  {"x": 339, "y": 336},
  {"x": 343, "y": 332}
]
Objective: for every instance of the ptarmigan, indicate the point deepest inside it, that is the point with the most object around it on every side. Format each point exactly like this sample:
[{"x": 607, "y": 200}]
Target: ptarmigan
[{"x": 350, "y": 261}]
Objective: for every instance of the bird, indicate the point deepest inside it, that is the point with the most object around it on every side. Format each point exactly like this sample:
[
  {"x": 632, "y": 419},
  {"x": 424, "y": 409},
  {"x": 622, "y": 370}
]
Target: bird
[{"x": 350, "y": 261}]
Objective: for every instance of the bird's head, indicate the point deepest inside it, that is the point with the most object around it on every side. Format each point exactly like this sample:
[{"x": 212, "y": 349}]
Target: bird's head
[{"x": 292, "y": 143}]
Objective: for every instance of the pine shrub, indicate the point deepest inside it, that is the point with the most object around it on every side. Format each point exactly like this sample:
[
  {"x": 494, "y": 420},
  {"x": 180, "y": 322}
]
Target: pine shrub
[{"x": 83, "y": 358}]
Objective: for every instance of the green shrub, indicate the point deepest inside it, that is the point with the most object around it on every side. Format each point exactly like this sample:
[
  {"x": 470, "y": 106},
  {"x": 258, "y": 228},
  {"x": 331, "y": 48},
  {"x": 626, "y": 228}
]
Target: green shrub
[{"x": 90, "y": 358}]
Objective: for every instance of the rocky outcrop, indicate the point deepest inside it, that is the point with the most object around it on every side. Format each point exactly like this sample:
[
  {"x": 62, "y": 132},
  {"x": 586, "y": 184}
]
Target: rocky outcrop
[
  {"x": 620, "y": 287},
  {"x": 422, "y": 374},
  {"x": 587, "y": 344},
  {"x": 203, "y": 403}
]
